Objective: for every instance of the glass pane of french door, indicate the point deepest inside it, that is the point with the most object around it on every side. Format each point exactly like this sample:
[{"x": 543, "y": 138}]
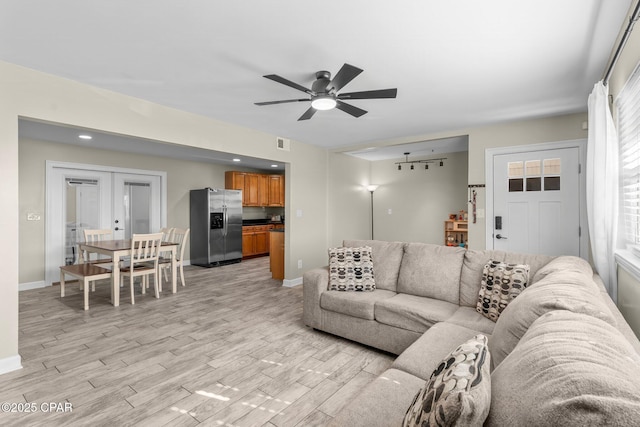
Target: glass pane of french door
[
  {"x": 76, "y": 199},
  {"x": 136, "y": 204}
]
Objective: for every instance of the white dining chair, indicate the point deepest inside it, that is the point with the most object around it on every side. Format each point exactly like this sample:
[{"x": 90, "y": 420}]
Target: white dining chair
[
  {"x": 145, "y": 250},
  {"x": 179, "y": 236},
  {"x": 92, "y": 236}
]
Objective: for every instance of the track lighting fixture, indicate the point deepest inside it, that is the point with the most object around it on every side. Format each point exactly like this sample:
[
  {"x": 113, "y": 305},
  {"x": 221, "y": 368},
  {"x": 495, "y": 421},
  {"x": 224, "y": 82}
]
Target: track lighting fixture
[{"x": 413, "y": 162}]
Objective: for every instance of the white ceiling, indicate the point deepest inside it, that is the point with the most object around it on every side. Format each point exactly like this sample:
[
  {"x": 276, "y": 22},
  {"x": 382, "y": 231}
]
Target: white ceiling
[{"x": 456, "y": 64}]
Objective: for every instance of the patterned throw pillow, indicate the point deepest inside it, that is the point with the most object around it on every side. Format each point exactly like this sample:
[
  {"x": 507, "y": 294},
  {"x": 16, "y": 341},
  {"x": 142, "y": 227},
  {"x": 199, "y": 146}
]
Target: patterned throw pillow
[
  {"x": 501, "y": 283},
  {"x": 351, "y": 269},
  {"x": 458, "y": 392}
]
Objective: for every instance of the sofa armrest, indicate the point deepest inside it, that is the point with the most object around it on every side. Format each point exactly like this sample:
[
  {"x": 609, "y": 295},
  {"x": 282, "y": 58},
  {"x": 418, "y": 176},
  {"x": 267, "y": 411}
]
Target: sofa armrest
[{"x": 314, "y": 283}]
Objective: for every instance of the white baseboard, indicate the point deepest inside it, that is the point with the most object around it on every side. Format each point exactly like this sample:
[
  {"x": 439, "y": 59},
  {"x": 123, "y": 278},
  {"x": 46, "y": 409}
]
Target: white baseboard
[
  {"x": 9, "y": 364},
  {"x": 290, "y": 283},
  {"x": 31, "y": 285}
]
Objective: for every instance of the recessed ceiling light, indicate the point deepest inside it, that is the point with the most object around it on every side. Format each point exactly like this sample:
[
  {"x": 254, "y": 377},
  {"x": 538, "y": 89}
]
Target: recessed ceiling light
[
  {"x": 236, "y": 160},
  {"x": 274, "y": 166},
  {"x": 85, "y": 136}
]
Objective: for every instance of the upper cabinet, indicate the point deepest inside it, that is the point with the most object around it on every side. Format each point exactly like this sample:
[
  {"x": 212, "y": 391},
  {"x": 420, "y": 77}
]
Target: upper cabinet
[
  {"x": 276, "y": 190},
  {"x": 257, "y": 189}
]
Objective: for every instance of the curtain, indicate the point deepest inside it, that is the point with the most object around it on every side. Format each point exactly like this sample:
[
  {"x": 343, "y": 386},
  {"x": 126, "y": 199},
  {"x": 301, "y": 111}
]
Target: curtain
[{"x": 602, "y": 187}]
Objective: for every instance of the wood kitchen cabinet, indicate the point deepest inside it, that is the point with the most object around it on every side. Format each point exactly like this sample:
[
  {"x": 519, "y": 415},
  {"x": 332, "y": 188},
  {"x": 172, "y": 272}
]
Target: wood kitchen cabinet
[
  {"x": 255, "y": 240},
  {"x": 263, "y": 190},
  {"x": 257, "y": 189},
  {"x": 276, "y": 190},
  {"x": 246, "y": 182}
]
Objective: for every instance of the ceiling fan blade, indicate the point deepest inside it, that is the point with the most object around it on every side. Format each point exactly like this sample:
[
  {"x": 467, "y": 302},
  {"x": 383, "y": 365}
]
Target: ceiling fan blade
[
  {"x": 289, "y": 83},
  {"x": 281, "y": 102},
  {"x": 347, "y": 108},
  {"x": 370, "y": 94},
  {"x": 308, "y": 114},
  {"x": 343, "y": 77}
]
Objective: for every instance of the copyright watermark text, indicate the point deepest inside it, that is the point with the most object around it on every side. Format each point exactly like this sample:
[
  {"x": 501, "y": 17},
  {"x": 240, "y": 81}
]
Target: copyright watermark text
[{"x": 29, "y": 407}]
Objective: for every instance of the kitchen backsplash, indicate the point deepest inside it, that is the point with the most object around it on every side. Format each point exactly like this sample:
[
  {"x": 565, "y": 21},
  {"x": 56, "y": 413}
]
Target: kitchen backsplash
[{"x": 260, "y": 213}]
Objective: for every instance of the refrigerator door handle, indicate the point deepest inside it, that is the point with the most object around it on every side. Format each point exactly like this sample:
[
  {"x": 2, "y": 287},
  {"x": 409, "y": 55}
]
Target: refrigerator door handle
[{"x": 225, "y": 220}]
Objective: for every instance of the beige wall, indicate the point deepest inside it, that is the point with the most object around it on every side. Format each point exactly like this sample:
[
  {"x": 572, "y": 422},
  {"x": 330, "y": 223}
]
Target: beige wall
[
  {"x": 349, "y": 201},
  {"x": 629, "y": 298},
  {"x": 420, "y": 200}
]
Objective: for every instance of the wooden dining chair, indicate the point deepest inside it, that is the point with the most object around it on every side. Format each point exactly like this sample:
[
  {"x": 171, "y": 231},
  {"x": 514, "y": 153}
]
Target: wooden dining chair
[
  {"x": 179, "y": 236},
  {"x": 145, "y": 250},
  {"x": 86, "y": 273}
]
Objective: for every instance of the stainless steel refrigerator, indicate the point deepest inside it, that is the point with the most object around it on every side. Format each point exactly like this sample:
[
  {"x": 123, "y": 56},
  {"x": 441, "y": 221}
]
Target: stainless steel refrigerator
[{"x": 216, "y": 227}]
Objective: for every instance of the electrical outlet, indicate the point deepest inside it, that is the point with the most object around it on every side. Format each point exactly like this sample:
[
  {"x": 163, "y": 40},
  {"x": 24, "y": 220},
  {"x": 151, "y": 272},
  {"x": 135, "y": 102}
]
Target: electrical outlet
[
  {"x": 299, "y": 213},
  {"x": 299, "y": 263},
  {"x": 389, "y": 211}
]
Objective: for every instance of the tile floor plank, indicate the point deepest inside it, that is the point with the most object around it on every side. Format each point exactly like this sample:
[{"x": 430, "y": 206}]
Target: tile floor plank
[{"x": 229, "y": 349}]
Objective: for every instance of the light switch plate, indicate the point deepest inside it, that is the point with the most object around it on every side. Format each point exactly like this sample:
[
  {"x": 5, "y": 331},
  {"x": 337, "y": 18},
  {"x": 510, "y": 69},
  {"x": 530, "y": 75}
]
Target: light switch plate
[
  {"x": 33, "y": 217},
  {"x": 480, "y": 213}
]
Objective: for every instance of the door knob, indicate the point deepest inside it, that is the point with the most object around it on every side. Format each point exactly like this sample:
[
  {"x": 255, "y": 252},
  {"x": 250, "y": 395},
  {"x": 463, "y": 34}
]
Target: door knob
[{"x": 498, "y": 236}]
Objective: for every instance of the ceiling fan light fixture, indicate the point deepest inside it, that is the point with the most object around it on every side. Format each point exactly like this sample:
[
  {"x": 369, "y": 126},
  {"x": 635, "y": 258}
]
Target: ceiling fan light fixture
[{"x": 323, "y": 103}]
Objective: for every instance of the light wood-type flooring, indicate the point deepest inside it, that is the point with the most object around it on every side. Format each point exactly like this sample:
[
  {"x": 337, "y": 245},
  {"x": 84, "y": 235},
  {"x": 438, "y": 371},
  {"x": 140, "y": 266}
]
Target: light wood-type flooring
[{"x": 229, "y": 349}]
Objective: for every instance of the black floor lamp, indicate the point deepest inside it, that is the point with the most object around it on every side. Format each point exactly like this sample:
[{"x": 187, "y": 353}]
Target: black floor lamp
[{"x": 371, "y": 188}]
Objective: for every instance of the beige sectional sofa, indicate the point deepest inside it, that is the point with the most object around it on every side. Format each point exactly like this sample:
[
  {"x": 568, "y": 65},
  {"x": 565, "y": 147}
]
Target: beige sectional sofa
[{"x": 561, "y": 350}]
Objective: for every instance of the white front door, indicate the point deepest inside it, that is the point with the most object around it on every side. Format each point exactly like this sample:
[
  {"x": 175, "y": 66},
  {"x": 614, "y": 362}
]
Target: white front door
[{"x": 537, "y": 202}]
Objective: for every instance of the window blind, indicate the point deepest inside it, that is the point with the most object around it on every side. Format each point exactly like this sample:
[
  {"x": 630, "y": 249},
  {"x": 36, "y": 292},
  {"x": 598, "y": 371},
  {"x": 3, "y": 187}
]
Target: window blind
[{"x": 628, "y": 108}]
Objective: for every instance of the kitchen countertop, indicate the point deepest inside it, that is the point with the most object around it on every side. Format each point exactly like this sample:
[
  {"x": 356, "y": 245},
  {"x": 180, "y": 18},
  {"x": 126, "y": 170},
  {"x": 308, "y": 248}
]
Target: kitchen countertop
[{"x": 260, "y": 222}]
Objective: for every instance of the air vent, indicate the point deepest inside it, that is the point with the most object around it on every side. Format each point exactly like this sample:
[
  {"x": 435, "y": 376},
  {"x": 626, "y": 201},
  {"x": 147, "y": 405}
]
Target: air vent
[{"x": 282, "y": 143}]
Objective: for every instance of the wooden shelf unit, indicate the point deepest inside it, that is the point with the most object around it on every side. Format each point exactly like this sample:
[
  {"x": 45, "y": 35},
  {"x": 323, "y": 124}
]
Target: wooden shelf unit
[{"x": 455, "y": 232}]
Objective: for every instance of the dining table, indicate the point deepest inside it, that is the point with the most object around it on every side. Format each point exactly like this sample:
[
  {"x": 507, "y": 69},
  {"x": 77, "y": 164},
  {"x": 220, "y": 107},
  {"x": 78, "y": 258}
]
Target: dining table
[{"x": 118, "y": 250}]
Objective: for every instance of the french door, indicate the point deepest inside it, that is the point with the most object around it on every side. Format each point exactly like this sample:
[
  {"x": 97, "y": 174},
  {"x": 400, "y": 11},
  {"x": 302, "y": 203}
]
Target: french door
[{"x": 85, "y": 196}]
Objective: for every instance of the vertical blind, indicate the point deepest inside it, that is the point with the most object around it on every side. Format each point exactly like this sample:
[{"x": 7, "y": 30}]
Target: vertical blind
[{"x": 628, "y": 107}]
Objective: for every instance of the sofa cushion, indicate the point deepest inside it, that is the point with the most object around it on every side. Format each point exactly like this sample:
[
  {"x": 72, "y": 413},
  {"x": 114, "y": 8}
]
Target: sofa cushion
[
  {"x": 431, "y": 271},
  {"x": 351, "y": 269},
  {"x": 501, "y": 283},
  {"x": 458, "y": 392},
  {"x": 569, "y": 369},
  {"x": 561, "y": 291},
  {"x": 422, "y": 357},
  {"x": 387, "y": 257},
  {"x": 356, "y": 304},
  {"x": 565, "y": 264},
  {"x": 413, "y": 313},
  {"x": 470, "y": 318},
  {"x": 474, "y": 262},
  {"x": 382, "y": 403}
]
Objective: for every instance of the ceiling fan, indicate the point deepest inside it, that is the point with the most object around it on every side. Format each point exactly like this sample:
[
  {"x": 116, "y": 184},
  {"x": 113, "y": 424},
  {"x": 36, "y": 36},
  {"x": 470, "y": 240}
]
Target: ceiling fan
[{"x": 324, "y": 92}]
